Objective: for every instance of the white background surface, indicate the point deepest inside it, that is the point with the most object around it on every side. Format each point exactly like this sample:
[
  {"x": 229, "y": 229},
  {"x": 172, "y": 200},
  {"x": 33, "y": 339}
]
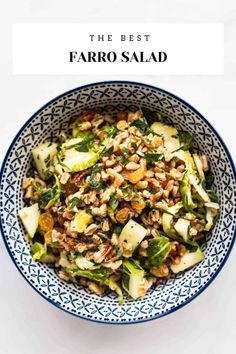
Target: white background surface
[{"x": 30, "y": 325}]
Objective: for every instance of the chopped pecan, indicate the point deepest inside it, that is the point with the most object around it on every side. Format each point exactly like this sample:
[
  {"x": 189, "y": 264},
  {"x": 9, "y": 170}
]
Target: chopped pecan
[
  {"x": 77, "y": 178},
  {"x": 79, "y": 247},
  {"x": 100, "y": 255}
]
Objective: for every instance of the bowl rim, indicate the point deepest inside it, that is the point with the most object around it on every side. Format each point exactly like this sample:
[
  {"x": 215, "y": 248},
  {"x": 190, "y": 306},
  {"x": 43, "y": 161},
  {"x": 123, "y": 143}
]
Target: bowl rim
[{"x": 125, "y": 82}]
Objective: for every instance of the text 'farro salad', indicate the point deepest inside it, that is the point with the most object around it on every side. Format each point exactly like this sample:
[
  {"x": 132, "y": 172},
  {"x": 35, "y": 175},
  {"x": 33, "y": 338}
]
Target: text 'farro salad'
[{"x": 119, "y": 204}]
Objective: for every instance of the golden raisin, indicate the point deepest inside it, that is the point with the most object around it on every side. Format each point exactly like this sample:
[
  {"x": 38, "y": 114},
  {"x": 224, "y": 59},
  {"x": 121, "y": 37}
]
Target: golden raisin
[
  {"x": 48, "y": 237},
  {"x": 135, "y": 176},
  {"x": 138, "y": 205},
  {"x": 46, "y": 222},
  {"x": 122, "y": 215}
]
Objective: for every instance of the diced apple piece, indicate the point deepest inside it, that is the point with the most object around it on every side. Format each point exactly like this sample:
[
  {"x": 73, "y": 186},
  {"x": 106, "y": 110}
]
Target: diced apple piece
[
  {"x": 132, "y": 233},
  {"x": 133, "y": 279},
  {"x": 30, "y": 218},
  {"x": 182, "y": 227},
  {"x": 43, "y": 155},
  {"x": 188, "y": 260},
  {"x": 170, "y": 136}
]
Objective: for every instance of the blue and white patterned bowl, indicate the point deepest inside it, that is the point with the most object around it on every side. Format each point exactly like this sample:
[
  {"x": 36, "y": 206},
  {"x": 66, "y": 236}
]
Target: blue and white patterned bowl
[{"x": 47, "y": 123}]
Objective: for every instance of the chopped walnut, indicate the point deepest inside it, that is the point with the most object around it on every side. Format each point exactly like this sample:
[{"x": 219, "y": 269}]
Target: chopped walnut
[
  {"x": 122, "y": 125},
  {"x": 64, "y": 177},
  {"x": 96, "y": 240},
  {"x": 118, "y": 179},
  {"x": 90, "y": 198},
  {"x": 142, "y": 250},
  {"x": 69, "y": 215},
  {"x": 111, "y": 162},
  {"x": 85, "y": 126},
  {"x": 177, "y": 175},
  {"x": 132, "y": 166},
  {"x": 106, "y": 194},
  {"x": 94, "y": 287},
  {"x": 29, "y": 192},
  {"x": 105, "y": 225},
  {"x": 56, "y": 236},
  {"x": 63, "y": 275},
  {"x": 161, "y": 176},
  {"x": 91, "y": 229},
  {"x": 100, "y": 211},
  {"x": 142, "y": 185},
  {"x": 114, "y": 239},
  {"x": 134, "y": 158},
  {"x": 104, "y": 176},
  {"x": 26, "y": 182},
  {"x": 154, "y": 217},
  {"x": 153, "y": 141},
  {"x": 113, "y": 265},
  {"x": 169, "y": 186},
  {"x": 118, "y": 168},
  {"x": 161, "y": 271}
]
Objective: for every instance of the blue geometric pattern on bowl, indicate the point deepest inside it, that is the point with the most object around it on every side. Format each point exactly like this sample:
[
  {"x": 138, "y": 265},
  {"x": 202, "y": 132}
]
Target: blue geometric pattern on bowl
[{"x": 52, "y": 119}]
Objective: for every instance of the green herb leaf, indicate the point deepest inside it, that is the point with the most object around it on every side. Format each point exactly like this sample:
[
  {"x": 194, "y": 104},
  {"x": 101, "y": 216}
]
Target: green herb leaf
[
  {"x": 186, "y": 140},
  {"x": 122, "y": 159},
  {"x": 151, "y": 158},
  {"x": 153, "y": 191},
  {"x": 86, "y": 144},
  {"x": 98, "y": 185},
  {"x": 134, "y": 145},
  {"x": 209, "y": 179},
  {"x": 36, "y": 187},
  {"x": 83, "y": 147},
  {"x": 47, "y": 161},
  {"x": 108, "y": 152},
  {"x": 49, "y": 197},
  {"x": 116, "y": 228},
  {"x": 75, "y": 202},
  {"x": 113, "y": 202},
  {"x": 110, "y": 130},
  {"x": 141, "y": 124},
  {"x": 159, "y": 117},
  {"x": 124, "y": 149},
  {"x": 46, "y": 196},
  {"x": 213, "y": 196}
]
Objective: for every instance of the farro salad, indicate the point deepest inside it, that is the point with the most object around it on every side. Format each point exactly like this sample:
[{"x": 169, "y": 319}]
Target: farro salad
[{"x": 119, "y": 202}]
